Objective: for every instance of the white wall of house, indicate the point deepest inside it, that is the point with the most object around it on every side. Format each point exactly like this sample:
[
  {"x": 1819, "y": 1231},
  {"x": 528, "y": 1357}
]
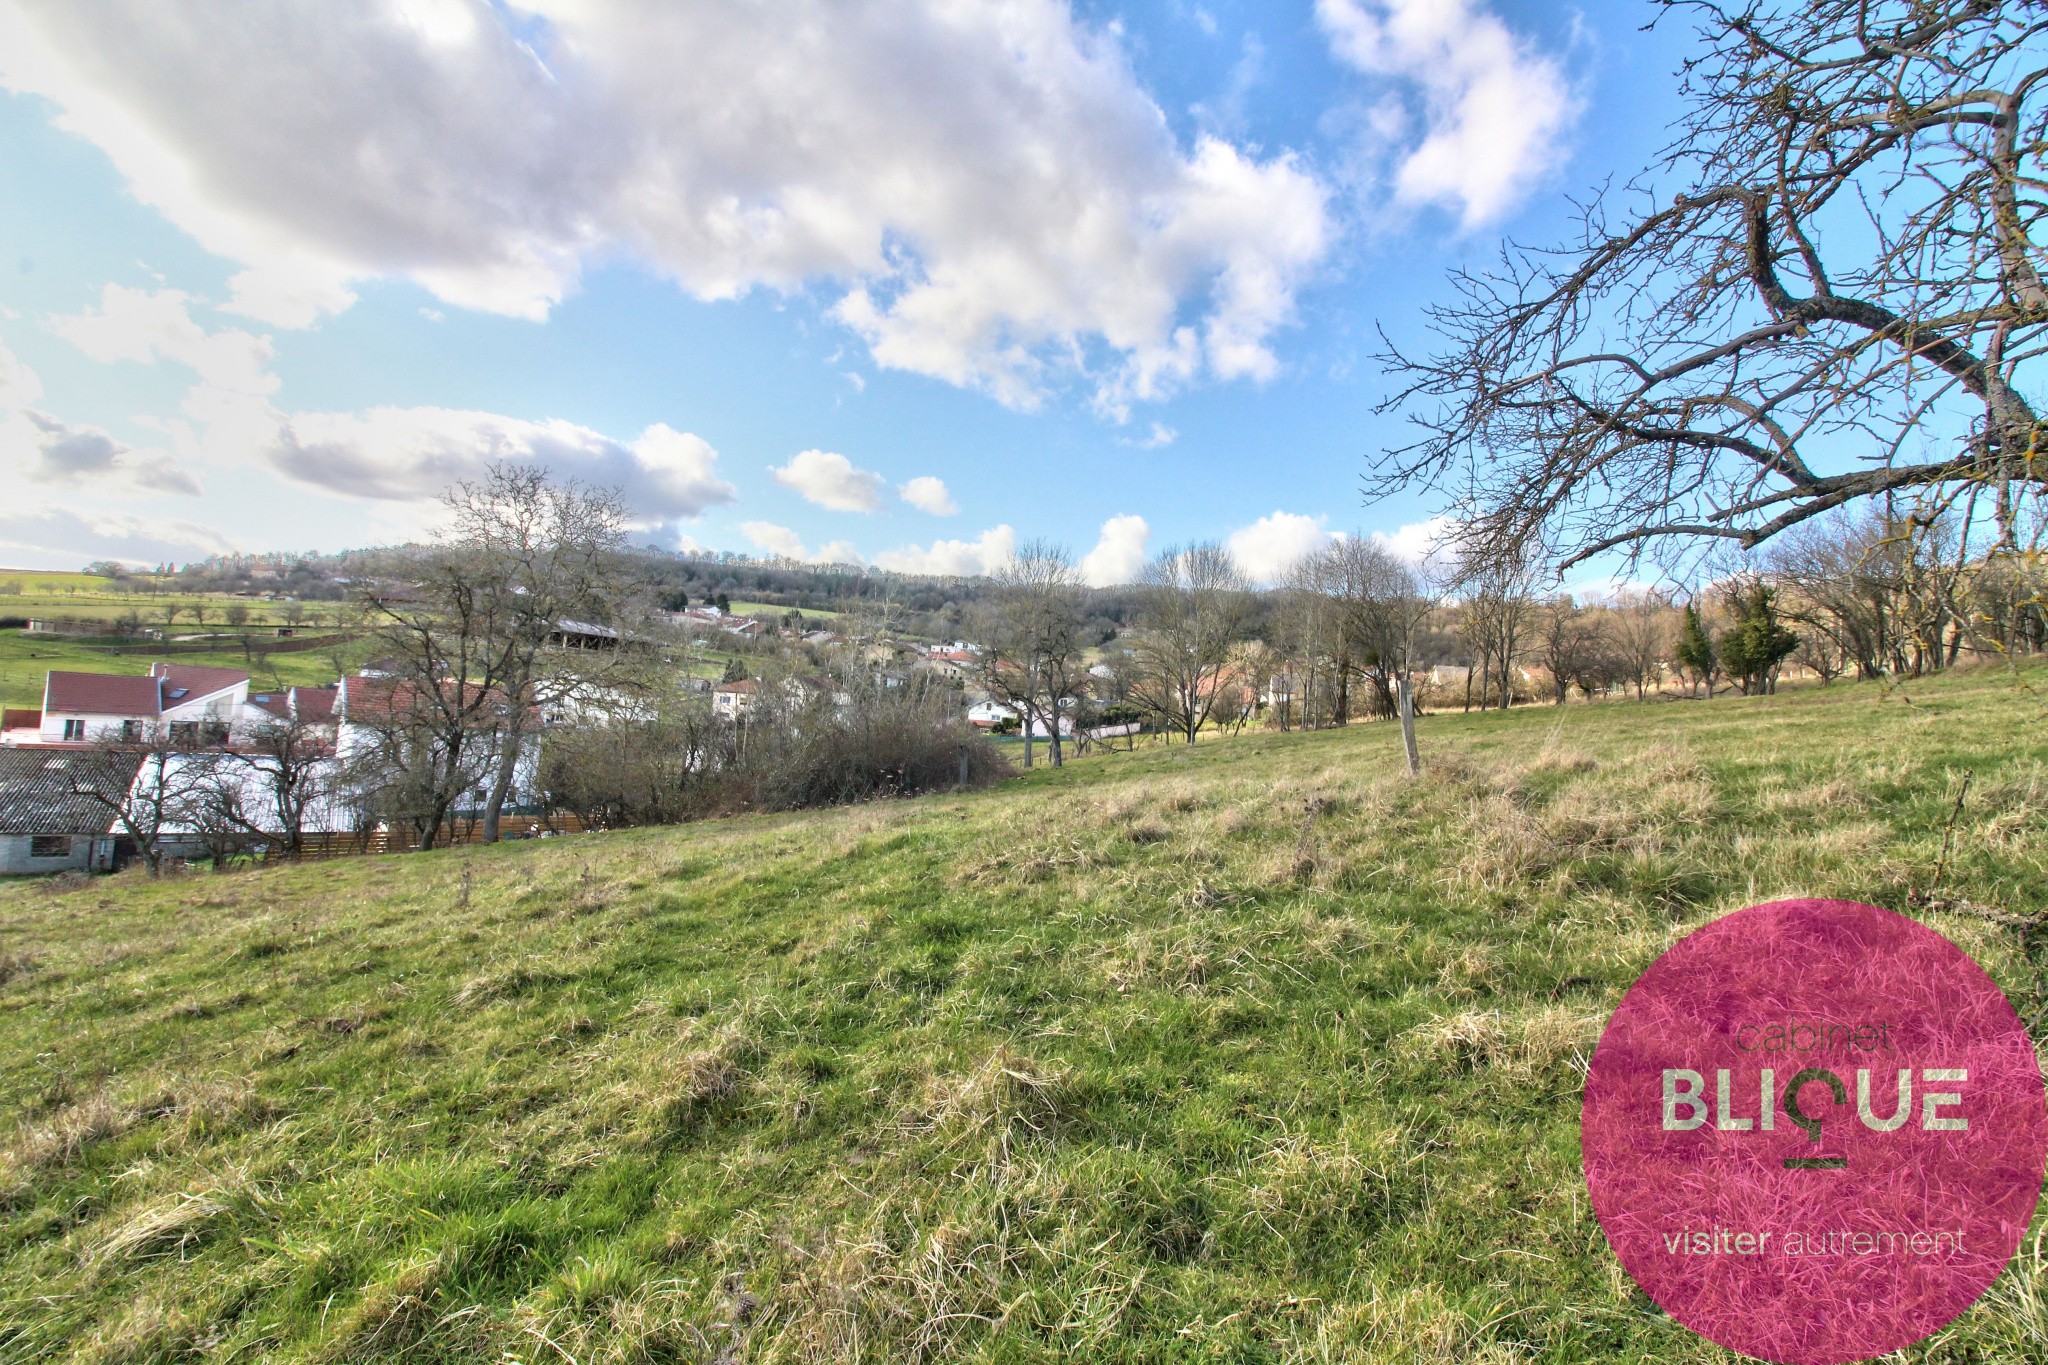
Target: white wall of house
[
  {"x": 33, "y": 854},
  {"x": 91, "y": 727}
]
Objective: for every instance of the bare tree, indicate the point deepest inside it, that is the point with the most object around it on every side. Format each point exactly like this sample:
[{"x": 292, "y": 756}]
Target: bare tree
[
  {"x": 1194, "y": 608},
  {"x": 1375, "y": 602},
  {"x": 1642, "y": 637},
  {"x": 548, "y": 554},
  {"x": 145, "y": 786},
  {"x": 1575, "y": 647},
  {"x": 1843, "y": 299},
  {"x": 1032, "y": 646},
  {"x": 293, "y": 763},
  {"x": 433, "y": 721},
  {"x": 1497, "y": 592}
]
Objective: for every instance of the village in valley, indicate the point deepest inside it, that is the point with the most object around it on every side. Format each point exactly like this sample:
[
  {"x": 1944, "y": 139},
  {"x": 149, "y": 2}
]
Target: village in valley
[{"x": 536, "y": 723}]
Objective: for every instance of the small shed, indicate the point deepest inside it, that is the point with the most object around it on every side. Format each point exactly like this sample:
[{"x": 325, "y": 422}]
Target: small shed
[{"x": 48, "y": 820}]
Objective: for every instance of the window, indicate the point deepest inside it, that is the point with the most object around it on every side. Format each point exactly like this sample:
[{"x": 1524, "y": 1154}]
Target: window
[
  {"x": 130, "y": 731},
  {"x": 74, "y": 729},
  {"x": 49, "y": 845}
]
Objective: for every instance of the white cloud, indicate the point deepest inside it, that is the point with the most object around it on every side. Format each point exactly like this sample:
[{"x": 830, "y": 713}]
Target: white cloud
[
  {"x": 412, "y": 454},
  {"x": 954, "y": 558},
  {"x": 1158, "y": 438},
  {"x": 1273, "y": 544},
  {"x": 1495, "y": 110},
  {"x": 929, "y": 494},
  {"x": 994, "y": 198},
  {"x": 44, "y": 448},
  {"x": 400, "y": 455},
  {"x": 830, "y": 480},
  {"x": 787, "y": 544},
  {"x": 1418, "y": 542},
  {"x": 776, "y": 540},
  {"x": 145, "y": 326},
  {"x": 1119, "y": 555}
]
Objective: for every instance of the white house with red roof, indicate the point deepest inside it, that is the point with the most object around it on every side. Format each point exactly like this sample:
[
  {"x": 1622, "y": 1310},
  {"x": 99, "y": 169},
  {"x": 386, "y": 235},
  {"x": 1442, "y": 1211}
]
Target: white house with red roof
[{"x": 193, "y": 704}]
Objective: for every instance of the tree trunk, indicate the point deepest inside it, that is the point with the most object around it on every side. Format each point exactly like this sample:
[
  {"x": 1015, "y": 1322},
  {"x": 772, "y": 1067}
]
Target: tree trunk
[{"x": 502, "y": 780}]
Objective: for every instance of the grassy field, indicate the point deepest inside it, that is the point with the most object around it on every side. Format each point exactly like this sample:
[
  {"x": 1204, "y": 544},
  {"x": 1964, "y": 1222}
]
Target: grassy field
[
  {"x": 1254, "y": 1052},
  {"x": 769, "y": 609}
]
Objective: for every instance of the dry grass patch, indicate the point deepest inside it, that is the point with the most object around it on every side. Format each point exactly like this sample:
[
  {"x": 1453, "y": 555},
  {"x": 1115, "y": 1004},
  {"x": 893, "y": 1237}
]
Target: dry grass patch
[{"x": 1531, "y": 1043}]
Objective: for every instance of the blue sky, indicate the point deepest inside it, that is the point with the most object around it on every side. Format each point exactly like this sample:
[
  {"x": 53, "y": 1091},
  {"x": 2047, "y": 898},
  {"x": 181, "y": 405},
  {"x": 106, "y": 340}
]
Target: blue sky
[{"x": 271, "y": 276}]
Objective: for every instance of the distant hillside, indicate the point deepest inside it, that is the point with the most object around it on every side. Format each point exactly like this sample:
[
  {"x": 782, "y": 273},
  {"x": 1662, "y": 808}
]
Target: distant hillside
[{"x": 1258, "y": 1051}]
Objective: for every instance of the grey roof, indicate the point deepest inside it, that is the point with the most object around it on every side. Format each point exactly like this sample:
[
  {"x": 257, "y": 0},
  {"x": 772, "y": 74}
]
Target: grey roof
[{"x": 40, "y": 789}]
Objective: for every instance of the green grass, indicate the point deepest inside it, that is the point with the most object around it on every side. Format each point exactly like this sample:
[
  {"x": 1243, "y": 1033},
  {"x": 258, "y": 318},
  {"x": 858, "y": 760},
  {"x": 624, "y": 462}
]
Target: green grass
[{"x": 1255, "y": 1052}]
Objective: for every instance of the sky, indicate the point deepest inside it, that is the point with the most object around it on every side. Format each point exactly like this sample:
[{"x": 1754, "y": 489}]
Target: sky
[{"x": 903, "y": 284}]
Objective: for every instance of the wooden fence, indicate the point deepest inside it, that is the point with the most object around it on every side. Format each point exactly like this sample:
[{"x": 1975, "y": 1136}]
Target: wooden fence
[{"x": 354, "y": 845}]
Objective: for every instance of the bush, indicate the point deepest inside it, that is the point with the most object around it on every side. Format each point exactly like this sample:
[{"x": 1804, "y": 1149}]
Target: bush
[{"x": 802, "y": 743}]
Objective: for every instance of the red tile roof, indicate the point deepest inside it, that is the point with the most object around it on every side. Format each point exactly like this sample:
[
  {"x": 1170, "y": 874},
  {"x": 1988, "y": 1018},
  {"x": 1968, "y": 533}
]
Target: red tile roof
[
  {"x": 196, "y": 681},
  {"x": 102, "y": 694},
  {"x": 274, "y": 703},
  {"x": 315, "y": 704},
  {"x": 741, "y": 687}
]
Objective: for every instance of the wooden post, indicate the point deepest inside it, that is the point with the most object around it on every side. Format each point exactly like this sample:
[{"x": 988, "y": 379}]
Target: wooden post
[{"x": 1408, "y": 725}]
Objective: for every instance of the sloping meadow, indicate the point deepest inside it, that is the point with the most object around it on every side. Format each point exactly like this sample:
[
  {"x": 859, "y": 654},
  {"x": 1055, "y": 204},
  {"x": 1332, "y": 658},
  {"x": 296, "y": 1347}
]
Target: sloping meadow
[{"x": 1259, "y": 1051}]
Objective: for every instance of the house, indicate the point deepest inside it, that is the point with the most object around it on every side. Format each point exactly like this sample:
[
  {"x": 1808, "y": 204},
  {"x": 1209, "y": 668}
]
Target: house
[
  {"x": 48, "y": 822},
  {"x": 952, "y": 661},
  {"x": 747, "y": 628},
  {"x": 702, "y": 617},
  {"x": 989, "y": 714},
  {"x": 731, "y": 700},
  {"x": 371, "y": 722},
  {"x": 194, "y": 705}
]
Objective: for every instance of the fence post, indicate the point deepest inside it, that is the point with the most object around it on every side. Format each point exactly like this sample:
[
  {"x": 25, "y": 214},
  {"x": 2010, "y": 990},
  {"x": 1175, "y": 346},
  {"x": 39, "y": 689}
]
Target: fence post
[{"x": 1408, "y": 724}]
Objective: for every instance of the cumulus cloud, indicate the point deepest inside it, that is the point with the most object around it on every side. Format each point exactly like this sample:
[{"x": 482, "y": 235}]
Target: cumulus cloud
[
  {"x": 45, "y": 448},
  {"x": 1495, "y": 110},
  {"x": 385, "y": 454},
  {"x": 991, "y": 194},
  {"x": 1276, "y": 542},
  {"x": 1119, "y": 554},
  {"x": 412, "y": 454},
  {"x": 1419, "y": 542},
  {"x": 787, "y": 544},
  {"x": 145, "y": 326},
  {"x": 229, "y": 400},
  {"x": 831, "y": 480},
  {"x": 929, "y": 494},
  {"x": 954, "y": 558}
]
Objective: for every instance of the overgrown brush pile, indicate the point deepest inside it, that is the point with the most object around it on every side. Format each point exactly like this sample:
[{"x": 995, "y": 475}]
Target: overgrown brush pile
[{"x": 1259, "y": 1051}]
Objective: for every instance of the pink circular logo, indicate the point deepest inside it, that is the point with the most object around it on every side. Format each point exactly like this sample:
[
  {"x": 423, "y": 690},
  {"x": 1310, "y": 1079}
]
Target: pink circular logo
[{"x": 1814, "y": 1131}]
